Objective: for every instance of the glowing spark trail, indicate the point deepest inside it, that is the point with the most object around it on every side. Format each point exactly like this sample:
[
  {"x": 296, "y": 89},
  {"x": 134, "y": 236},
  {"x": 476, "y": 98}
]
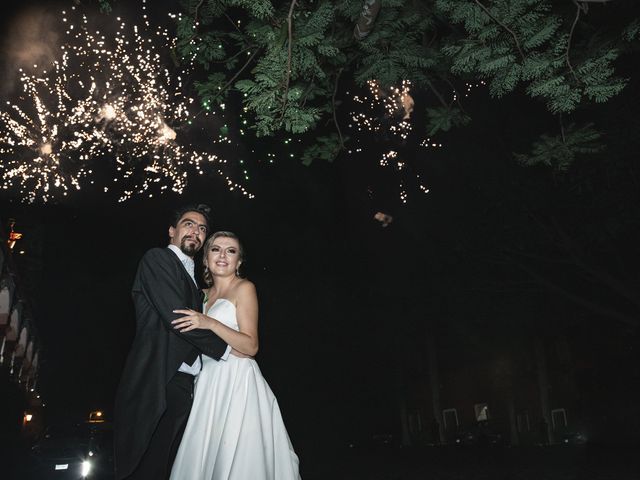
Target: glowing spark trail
[
  {"x": 108, "y": 104},
  {"x": 385, "y": 112},
  {"x": 39, "y": 145},
  {"x": 396, "y": 104}
]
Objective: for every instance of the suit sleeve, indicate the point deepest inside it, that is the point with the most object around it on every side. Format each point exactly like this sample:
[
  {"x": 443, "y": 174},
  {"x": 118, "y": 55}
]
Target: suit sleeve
[{"x": 158, "y": 283}]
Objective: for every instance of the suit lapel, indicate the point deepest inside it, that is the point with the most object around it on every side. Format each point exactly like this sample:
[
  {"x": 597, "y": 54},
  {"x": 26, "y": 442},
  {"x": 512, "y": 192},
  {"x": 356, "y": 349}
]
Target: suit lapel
[
  {"x": 196, "y": 293},
  {"x": 200, "y": 298}
]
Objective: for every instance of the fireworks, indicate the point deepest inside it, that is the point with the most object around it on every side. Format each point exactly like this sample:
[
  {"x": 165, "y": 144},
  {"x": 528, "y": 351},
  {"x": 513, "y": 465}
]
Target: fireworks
[
  {"x": 108, "y": 106},
  {"x": 397, "y": 103},
  {"x": 44, "y": 140},
  {"x": 388, "y": 111},
  {"x": 390, "y": 155}
]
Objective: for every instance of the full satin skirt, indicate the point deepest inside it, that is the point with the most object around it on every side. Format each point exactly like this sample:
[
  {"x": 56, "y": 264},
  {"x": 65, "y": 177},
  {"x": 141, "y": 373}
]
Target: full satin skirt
[{"x": 235, "y": 430}]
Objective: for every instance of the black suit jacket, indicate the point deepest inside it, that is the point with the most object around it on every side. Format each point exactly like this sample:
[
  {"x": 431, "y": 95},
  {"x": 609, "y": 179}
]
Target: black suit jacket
[{"x": 161, "y": 285}]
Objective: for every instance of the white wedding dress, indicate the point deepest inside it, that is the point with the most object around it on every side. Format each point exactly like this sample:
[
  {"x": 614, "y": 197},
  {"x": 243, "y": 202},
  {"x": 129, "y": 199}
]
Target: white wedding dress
[{"x": 235, "y": 430}]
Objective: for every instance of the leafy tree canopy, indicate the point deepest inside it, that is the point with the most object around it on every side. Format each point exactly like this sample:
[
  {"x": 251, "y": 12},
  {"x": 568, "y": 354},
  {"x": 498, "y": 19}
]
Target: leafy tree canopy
[{"x": 288, "y": 60}]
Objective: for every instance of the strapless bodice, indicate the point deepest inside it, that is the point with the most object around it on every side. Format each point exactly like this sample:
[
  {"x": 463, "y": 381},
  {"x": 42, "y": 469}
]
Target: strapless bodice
[{"x": 224, "y": 311}]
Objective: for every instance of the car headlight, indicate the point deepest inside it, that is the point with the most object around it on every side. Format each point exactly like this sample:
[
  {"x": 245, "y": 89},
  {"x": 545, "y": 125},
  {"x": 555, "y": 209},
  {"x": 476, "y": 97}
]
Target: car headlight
[{"x": 86, "y": 468}]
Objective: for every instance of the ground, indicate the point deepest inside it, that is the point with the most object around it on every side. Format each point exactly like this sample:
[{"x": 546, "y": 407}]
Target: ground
[{"x": 453, "y": 463}]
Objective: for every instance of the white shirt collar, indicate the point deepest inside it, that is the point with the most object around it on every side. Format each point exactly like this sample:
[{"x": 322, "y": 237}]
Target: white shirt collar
[{"x": 186, "y": 260}]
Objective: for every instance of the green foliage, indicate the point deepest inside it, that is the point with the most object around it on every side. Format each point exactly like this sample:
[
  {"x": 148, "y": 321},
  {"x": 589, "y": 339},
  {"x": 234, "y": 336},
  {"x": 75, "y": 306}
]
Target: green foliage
[
  {"x": 554, "y": 52},
  {"x": 632, "y": 31},
  {"x": 512, "y": 41},
  {"x": 278, "y": 100},
  {"x": 442, "y": 119},
  {"x": 394, "y": 50},
  {"x": 105, "y": 6},
  {"x": 260, "y": 9},
  {"x": 209, "y": 90},
  {"x": 326, "y": 148},
  {"x": 597, "y": 75},
  {"x": 560, "y": 151}
]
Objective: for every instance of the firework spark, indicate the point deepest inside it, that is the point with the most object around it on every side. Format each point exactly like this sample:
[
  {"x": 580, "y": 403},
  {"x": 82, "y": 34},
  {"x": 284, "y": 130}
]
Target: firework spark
[
  {"x": 397, "y": 104},
  {"x": 108, "y": 104},
  {"x": 44, "y": 141},
  {"x": 388, "y": 110}
]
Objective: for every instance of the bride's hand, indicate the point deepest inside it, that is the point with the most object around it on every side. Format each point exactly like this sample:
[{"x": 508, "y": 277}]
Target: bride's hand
[{"x": 192, "y": 320}]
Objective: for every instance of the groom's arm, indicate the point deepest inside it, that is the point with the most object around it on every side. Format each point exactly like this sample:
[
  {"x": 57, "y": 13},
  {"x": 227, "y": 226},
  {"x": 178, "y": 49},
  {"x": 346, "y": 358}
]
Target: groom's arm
[{"x": 165, "y": 292}]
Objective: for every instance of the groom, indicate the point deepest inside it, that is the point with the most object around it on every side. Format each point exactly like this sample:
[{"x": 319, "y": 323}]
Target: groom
[{"x": 155, "y": 392}]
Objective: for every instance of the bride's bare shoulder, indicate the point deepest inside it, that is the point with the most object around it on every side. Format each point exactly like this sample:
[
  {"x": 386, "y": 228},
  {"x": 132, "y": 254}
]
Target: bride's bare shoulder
[{"x": 245, "y": 288}]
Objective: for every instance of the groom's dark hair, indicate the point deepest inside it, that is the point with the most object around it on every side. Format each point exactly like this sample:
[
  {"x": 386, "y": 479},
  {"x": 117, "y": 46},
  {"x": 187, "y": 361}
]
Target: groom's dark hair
[{"x": 200, "y": 208}]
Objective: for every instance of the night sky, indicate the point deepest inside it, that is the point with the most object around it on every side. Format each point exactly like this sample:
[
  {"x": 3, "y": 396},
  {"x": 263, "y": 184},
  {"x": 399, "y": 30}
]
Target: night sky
[{"x": 344, "y": 302}]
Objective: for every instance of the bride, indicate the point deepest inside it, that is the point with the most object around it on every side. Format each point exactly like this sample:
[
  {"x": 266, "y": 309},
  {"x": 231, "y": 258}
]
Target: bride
[{"x": 235, "y": 430}]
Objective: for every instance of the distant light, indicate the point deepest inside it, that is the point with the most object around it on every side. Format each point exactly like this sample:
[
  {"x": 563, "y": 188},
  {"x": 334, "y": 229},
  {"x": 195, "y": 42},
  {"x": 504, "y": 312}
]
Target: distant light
[
  {"x": 86, "y": 468},
  {"x": 28, "y": 417},
  {"x": 96, "y": 416}
]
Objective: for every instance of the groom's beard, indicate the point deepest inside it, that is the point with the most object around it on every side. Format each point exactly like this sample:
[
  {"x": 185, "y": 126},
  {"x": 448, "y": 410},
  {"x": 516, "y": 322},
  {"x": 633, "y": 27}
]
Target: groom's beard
[{"x": 192, "y": 248}]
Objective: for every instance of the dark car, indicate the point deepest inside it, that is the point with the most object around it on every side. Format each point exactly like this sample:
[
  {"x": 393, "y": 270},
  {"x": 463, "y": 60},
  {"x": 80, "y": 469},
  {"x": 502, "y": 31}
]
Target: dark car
[
  {"x": 574, "y": 438},
  {"x": 75, "y": 451},
  {"x": 479, "y": 435}
]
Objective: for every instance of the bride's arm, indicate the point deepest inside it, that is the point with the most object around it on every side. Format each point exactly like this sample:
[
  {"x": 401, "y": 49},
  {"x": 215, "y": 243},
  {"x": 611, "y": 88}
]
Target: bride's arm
[{"x": 246, "y": 340}]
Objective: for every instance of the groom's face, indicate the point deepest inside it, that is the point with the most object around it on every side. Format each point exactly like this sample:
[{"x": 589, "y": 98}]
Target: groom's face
[{"x": 189, "y": 233}]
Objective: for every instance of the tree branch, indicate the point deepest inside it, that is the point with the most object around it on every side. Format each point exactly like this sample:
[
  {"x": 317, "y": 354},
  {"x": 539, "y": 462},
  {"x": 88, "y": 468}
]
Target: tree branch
[
  {"x": 573, "y": 27},
  {"x": 515, "y": 38},
  {"x": 333, "y": 105},
  {"x": 603, "y": 276},
  {"x": 534, "y": 256},
  {"x": 437, "y": 93},
  {"x": 289, "y": 46},
  {"x": 195, "y": 13},
  {"x": 226, "y": 85},
  {"x": 457, "y": 95},
  {"x": 235, "y": 55},
  {"x": 565, "y": 242},
  {"x": 195, "y": 22},
  {"x": 307, "y": 91},
  {"x": 232, "y": 23},
  {"x": 606, "y": 311}
]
